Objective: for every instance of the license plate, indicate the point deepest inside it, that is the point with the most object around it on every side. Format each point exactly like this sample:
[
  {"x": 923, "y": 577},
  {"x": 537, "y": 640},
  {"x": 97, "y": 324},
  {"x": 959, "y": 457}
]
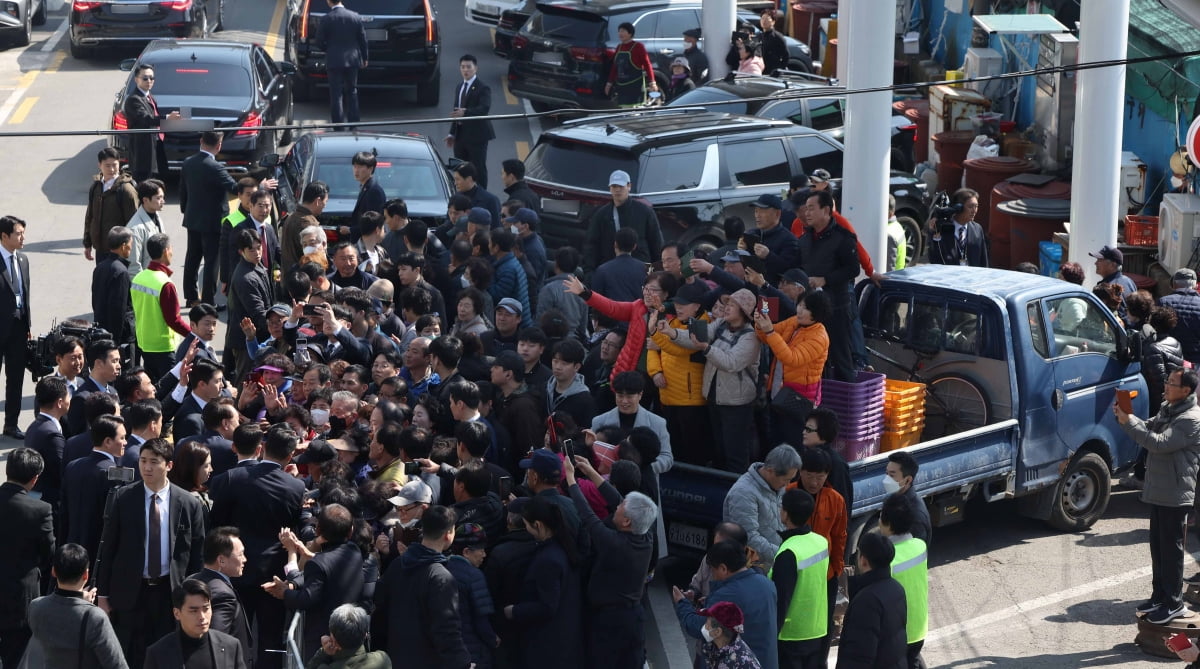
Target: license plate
[
  {"x": 560, "y": 206},
  {"x": 694, "y": 538},
  {"x": 130, "y": 9},
  {"x": 377, "y": 35},
  {"x": 548, "y": 57}
]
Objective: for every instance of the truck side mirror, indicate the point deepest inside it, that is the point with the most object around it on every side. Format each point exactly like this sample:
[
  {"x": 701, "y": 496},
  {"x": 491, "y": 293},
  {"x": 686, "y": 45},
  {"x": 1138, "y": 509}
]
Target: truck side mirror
[{"x": 1129, "y": 345}]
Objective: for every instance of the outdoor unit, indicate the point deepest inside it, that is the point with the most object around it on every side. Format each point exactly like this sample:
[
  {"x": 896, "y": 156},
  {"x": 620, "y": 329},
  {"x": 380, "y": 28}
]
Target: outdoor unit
[
  {"x": 1054, "y": 106},
  {"x": 952, "y": 108},
  {"x": 1178, "y": 219},
  {"x": 984, "y": 62}
]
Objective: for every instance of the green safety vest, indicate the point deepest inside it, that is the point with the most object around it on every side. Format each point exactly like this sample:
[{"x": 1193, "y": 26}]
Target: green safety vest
[
  {"x": 234, "y": 218},
  {"x": 808, "y": 611},
  {"x": 910, "y": 568},
  {"x": 153, "y": 334}
]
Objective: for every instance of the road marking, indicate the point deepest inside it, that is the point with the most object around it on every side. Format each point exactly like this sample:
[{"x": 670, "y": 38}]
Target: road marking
[
  {"x": 508, "y": 96},
  {"x": 19, "y": 92},
  {"x": 56, "y": 61},
  {"x": 22, "y": 111},
  {"x": 276, "y": 27},
  {"x": 52, "y": 43},
  {"x": 522, "y": 150}
]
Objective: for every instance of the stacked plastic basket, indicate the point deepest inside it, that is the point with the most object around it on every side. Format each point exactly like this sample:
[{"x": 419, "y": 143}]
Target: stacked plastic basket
[
  {"x": 859, "y": 407},
  {"x": 903, "y": 414}
]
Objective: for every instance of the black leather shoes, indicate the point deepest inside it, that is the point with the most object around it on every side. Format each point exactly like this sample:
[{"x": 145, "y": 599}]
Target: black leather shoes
[{"x": 14, "y": 433}]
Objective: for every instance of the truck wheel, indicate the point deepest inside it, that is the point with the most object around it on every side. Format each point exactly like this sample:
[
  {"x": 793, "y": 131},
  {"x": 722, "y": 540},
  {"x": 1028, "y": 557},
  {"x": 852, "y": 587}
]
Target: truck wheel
[
  {"x": 1081, "y": 496},
  {"x": 858, "y": 527},
  {"x": 914, "y": 239}
]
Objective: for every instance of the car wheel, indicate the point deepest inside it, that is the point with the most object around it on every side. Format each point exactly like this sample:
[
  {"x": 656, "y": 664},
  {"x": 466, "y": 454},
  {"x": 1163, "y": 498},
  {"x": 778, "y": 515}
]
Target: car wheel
[
  {"x": 39, "y": 17},
  {"x": 288, "y": 135},
  {"x": 914, "y": 240},
  {"x": 429, "y": 94},
  {"x": 1081, "y": 495},
  {"x": 79, "y": 52},
  {"x": 26, "y": 34}
]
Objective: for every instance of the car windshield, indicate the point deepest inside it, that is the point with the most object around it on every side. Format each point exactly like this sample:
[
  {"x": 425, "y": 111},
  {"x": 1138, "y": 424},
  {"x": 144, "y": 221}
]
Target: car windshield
[
  {"x": 201, "y": 79},
  {"x": 706, "y": 95},
  {"x": 578, "y": 165},
  {"x": 405, "y": 178},
  {"x": 574, "y": 28}
]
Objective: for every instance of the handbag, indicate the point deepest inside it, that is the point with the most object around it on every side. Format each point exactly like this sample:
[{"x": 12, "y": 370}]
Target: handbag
[{"x": 791, "y": 404}]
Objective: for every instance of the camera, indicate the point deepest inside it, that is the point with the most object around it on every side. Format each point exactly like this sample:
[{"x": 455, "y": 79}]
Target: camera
[
  {"x": 942, "y": 210},
  {"x": 121, "y": 475},
  {"x": 39, "y": 353},
  {"x": 412, "y": 469}
]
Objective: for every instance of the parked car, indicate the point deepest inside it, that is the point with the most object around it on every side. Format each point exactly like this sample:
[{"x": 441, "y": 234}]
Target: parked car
[
  {"x": 233, "y": 84},
  {"x": 403, "y": 44},
  {"x": 488, "y": 12},
  {"x": 561, "y": 56},
  {"x": 18, "y": 19},
  {"x": 507, "y": 26},
  {"x": 408, "y": 168},
  {"x": 695, "y": 167},
  {"x": 99, "y": 23}
]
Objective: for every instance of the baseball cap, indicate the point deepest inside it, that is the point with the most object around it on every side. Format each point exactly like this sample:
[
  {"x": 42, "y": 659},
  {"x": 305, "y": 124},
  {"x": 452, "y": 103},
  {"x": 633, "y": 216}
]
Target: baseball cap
[
  {"x": 1184, "y": 274},
  {"x": 689, "y": 293},
  {"x": 342, "y": 445},
  {"x": 269, "y": 368},
  {"x": 512, "y": 305},
  {"x": 318, "y": 451},
  {"x": 381, "y": 290},
  {"x": 619, "y": 178},
  {"x": 511, "y": 361},
  {"x": 281, "y": 309},
  {"x": 413, "y": 492},
  {"x": 820, "y": 176},
  {"x": 480, "y": 216},
  {"x": 517, "y": 506},
  {"x": 795, "y": 275},
  {"x": 544, "y": 462},
  {"x": 767, "y": 201},
  {"x": 1109, "y": 253},
  {"x": 726, "y": 613},
  {"x": 524, "y": 215},
  {"x": 682, "y": 61},
  {"x": 470, "y": 535}
]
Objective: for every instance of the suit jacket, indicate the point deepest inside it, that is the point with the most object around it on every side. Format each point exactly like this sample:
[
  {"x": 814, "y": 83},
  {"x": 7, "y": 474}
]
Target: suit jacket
[
  {"x": 946, "y": 252},
  {"x": 331, "y": 578},
  {"x": 167, "y": 653},
  {"x": 85, "y": 491},
  {"x": 343, "y": 37},
  {"x": 14, "y": 322},
  {"x": 228, "y": 616},
  {"x": 25, "y": 553},
  {"x": 477, "y": 102},
  {"x": 203, "y": 352},
  {"x": 371, "y": 197},
  {"x": 78, "y": 446},
  {"x": 111, "y": 304},
  {"x": 230, "y": 256},
  {"x": 119, "y": 568},
  {"x": 204, "y": 190},
  {"x": 47, "y": 439},
  {"x": 220, "y": 449},
  {"x": 76, "y": 418},
  {"x": 143, "y": 147},
  {"x": 188, "y": 420},
  {"x": 249, "y": 297},
  {"x": 49, "y": 616},
  {"x": 258, "y": 500},
  {"x": 290, "y": 246}
]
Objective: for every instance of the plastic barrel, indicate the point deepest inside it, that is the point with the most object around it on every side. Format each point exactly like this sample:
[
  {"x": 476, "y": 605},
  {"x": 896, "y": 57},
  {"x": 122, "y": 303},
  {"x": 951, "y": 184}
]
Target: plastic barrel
[
  {"x": 1032, "y": 220},
  {"x": 952, "y": 149},
  {"x": 998, "y": 222},
  {"x": 917, "y": 111},
  {"x": 1050, "y": 256},
  {"x": 982, "y": 175}
]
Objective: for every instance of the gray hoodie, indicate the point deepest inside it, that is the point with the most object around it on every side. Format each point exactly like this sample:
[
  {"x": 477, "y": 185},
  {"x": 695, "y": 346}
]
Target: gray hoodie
[{"x": 554, "y": 296}]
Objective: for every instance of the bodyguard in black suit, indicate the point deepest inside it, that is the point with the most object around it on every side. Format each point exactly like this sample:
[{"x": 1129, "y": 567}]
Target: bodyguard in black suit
[
  {"x": 204, "y": 386},
  {"x": 149, "y": 545},
  {"x": 103, "y": 360},
  {"x": 111, "y": 305},
  {"x": 371, "y": 196},
  {"x": 343, "y": 38},
  {"x": 259, "y": 500},
  {"x": 14, "y": 317},
  {"x": 86, "y": 485},
  {"x": 225, "y": 559},
  {"x": 259, "y": 224},
  {"x": 146, "y": 155},
  {"x": 81, "y": 444},
  {"x": 249, "y": 297},
  {"x": 195, "y": 643},
  {"x": 469, "y": 139},
  {"x": 220, "y": 420},
  {"x": 25, "y": 552},
  {"x": 198, "y": 318},
  {"x": 46, "y": 438},
  {"x": 204, "y": 190},
  {"x": 960, "y": 241}
]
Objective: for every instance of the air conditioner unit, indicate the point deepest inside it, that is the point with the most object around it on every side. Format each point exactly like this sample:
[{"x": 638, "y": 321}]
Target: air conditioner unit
[
  {"x": 1054, "y": 105},
  {"x": 1178, "y": 229},
  {"x": 983, "y": 63}
]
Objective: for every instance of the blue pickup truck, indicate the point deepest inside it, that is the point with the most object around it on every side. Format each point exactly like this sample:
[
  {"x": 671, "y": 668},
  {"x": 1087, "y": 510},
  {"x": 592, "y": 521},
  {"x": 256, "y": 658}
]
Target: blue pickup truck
[{"x": 1021, "y": 373}]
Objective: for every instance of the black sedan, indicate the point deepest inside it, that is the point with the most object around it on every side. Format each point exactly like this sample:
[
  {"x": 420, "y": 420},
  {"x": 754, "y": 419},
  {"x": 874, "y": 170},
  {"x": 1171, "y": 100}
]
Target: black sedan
[
  {"x": 232, "y": 84},
  {"x": 99, "y": 23},
  {"x": 408, "y": 167}
]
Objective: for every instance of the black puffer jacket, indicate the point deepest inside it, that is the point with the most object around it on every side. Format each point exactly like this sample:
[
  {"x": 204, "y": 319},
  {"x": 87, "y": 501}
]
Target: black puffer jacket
[
  {"x": 416, "y": 613},
  {"x": 1160, "y": 353},
  {"x": 474, "y": 610}
]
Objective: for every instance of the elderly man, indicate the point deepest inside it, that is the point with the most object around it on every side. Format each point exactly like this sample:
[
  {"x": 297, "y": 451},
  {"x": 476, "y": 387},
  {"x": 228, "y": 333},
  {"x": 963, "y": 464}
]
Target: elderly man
[
  {"x": 775, "y": 244},
  {"x": 755, "y": 499},
  {"x": 1186, "y": 302},
  {"x": 312, "y": 204},
  {"x": 345, "y": 645}
]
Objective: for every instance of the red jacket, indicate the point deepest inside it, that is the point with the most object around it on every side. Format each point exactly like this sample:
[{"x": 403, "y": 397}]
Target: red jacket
[
  {"x": 633, "y": 313},
  {"x": 641, "y": 60},
  {"x": 168, "y": 299}
]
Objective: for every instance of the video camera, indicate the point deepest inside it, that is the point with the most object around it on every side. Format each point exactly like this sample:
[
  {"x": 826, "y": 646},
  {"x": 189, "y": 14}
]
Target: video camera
[
  {"x": 944, "y": 212},
  {"x": 39, "y": 353}
]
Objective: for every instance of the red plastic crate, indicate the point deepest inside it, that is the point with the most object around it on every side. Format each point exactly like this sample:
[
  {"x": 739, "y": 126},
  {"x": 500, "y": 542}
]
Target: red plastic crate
[{"x": 1141, "y": 230}]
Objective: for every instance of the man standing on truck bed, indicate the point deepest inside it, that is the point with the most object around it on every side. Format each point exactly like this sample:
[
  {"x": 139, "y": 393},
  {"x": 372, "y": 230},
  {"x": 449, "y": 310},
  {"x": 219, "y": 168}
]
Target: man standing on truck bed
[
  {"x": 622, "y": 212},
  {"x": 828, "y": 253},
  {"x": 1172, "y": 439}
]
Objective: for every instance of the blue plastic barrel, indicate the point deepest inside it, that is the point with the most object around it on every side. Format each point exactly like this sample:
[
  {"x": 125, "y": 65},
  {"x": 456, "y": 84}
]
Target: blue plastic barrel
[{"x": 1050, "y": 255}]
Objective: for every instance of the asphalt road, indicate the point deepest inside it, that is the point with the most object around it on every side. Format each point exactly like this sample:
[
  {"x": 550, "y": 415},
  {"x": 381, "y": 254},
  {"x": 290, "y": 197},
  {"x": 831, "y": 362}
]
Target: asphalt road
[{"x": 1004, "y": 591}]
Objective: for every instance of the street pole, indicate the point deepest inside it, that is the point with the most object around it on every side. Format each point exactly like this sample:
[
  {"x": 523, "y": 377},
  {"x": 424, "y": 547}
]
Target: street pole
[
  {"x": 717, "y": 21},
  {"x": 1096, "y": 145},
  {"x": 866, "y": 166}
]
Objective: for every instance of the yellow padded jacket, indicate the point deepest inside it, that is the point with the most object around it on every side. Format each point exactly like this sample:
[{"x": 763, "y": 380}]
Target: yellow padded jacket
[{"x": 685, "y": 376}]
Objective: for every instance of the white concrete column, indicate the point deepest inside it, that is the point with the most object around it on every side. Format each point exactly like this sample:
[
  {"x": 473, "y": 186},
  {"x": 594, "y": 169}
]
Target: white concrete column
[
  {"x": 866, "y": 167},
  {"x": 1099, "y": 108},
  {"x": 717, "y": 22}
]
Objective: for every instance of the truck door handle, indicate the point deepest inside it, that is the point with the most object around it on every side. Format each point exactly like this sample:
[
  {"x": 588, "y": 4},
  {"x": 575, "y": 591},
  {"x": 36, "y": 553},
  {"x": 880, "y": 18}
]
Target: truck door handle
[
  {"x": 666, "y": 52},
  {"x": 1057, "y": 399}
]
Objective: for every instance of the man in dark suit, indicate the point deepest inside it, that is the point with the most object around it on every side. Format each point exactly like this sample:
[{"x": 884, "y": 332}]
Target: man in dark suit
[
  {"x": 343, "y": 38},
  {"x": 371, "y": 196},
  {"x": 195, "y": 643},
  {"x": 103, "y": 360},
  {"x": 961, "y": 241},
  {"x": 469, "y": 139},
  {"x": 146, "y": 155},
  {"x": 220, "y": 422},
  {"x": 204, "y": 385},
  {"x": 203, "y": 319},
  {"x": 143, "y": 422},
  {"x": 260, "y": 500},
  {"x": 204, "y": 190},
  {"x": 86, "y": 484},
  {"x": 80, "y": 445},
  {"x": 46, "y": 438},
  {"x": 259, "y": 224},
  {"x": 247, "y": 446},
  {"x": 249, "y": 297},
  {"x": 330, "y": 578},
  {"x": 153, "y": 538},
  {"x": 111, "y": 307},
  {"x": 25, "y": 553},
  {"x": 14, "y": 317},
  {"x": 225, "y": 559}
]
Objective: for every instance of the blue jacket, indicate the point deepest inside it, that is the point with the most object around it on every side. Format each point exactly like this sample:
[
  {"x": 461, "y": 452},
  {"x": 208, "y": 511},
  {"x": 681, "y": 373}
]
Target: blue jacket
[
  {"x": 755, "y": 596},
  {"x": 474, "y": 610},
  {"x": 510, "y": 281}
]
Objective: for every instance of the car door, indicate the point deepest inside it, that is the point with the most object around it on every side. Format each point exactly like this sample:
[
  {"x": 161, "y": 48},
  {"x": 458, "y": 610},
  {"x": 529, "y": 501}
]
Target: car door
[
  {"x": 268, "y": 87},
  {"x": 667, "y": 39},
  {"x": 751, "y": 167},
  {"x": 813, "y": 152}
]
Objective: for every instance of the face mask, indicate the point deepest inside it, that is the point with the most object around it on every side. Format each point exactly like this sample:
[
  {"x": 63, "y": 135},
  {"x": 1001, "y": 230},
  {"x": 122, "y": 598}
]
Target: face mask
[
  {"x": 706, "y": 634},
  {"x": 513, "y": 229},
  {"x": 320, "y": 416},
  {"x": 309, "y": 249},
  {"x": 466, "y": 283},
  {"x": 407, "y": 524},
  {"x": 890, "y": 486}
]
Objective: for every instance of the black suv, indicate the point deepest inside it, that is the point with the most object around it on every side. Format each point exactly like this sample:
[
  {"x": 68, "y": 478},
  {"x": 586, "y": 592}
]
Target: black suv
[
  {"x": 694, "y": 167},
  {"x": 562, "y": 55},
  {"x": 403, "y": 42}
]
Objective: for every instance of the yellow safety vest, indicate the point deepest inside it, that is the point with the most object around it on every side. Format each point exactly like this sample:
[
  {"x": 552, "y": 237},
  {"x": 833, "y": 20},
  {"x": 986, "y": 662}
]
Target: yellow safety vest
[
  {"x": 234, "y": 218},
  {"x": 808, "y": 611},
  {"x": 910, "y": 568},
  {"x": 153, "y": 333}
]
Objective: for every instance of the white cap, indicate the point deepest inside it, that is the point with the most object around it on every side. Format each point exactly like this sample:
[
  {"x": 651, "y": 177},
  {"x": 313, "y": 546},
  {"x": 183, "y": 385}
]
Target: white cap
[{"x": 619, "y": 178}]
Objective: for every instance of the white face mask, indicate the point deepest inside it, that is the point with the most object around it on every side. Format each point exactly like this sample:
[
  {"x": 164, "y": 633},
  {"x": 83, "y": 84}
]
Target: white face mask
[
  {"x": 407, "y": 524},
  {"x": 466, "y": 283},
  {"x": 320, "y": 416},
  {"x": 513, "y": 229},
  {"x": 890, "y": 486},
  {"x": 706, "y": 634},
  {"x": 309, "y": 249}
]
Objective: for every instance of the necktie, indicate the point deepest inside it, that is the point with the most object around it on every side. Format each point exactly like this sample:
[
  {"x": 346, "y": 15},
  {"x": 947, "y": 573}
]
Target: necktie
[
  {"x": 265, "y": 258},
  {"x": 154, "y": 108},
  {"x": 154, "y": 541},
  {"x": 462, "y": 93},
  {"x": 15, "y": 277}
]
